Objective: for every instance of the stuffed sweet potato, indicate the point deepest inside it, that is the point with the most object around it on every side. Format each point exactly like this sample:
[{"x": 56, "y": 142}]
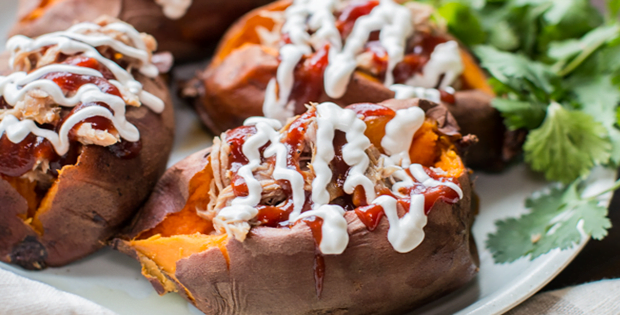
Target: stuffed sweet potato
[
  {"x": 184, "y": 27},
  {"x": 361, "y": 210},
  {"x": 86, "y": 127},
  {"x": 281, "y": 56}
]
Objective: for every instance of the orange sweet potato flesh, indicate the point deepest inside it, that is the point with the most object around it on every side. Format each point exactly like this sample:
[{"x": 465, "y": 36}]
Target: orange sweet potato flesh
[
  {"x": 425, "y": 148},
  {"x": 187, "y": 38},
  {"x": 187, "y": 221},
  {"x": 166, "y": 251},
  {"x": 272, "y": 271},
  {"x": 26, "y": 189},
  {"x": 232, "y": 87},
  {"x": 91, "y": 200}
]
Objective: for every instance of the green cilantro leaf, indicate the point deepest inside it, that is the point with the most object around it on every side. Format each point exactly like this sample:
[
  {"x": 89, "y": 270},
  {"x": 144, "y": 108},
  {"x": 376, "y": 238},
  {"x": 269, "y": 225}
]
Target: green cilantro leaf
[
  {"x": 600, "y": 98},
  {"x": 591, "y": 41},
  {"x": 520, "y": 114},
  {"x": 522, "y": 75},
  {"x": 558, "y": 219},
  {"x": 613, "y": 8},
  {"x": 567, "y": 19},
  {"x": 567, "y": 144},
  {"x": 597, "y": 96},
  {"x": 462, "y": 23},
  {"x": 582, "y": 48},
  {"x": 503, "y": 36}
]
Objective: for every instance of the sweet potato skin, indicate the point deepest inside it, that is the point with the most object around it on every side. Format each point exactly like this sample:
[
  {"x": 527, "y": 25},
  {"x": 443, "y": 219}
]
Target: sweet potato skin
[
  {"x": 187, "y": 38},
  {"x": 93, "y": 198},
  {"x": 276, "y": 266}
]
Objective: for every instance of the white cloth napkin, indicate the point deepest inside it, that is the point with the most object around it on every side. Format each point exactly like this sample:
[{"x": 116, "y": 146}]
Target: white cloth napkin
[
  {"x": 601, "y": 298},
  {"x": 21, "y": 296}
]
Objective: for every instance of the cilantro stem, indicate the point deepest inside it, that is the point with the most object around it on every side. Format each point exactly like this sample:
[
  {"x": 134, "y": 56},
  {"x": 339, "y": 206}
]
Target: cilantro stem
[
  {"x": 585, "y": 53},
  {"x": 614, "y": 187}
]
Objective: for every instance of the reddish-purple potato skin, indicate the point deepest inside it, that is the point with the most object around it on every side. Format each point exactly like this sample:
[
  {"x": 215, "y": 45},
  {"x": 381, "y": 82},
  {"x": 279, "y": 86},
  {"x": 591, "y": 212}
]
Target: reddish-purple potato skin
[
  {"x": 187, "y": 38},
  {"x": 271, "y": 272},
  {"x": 95, "y": 197}
]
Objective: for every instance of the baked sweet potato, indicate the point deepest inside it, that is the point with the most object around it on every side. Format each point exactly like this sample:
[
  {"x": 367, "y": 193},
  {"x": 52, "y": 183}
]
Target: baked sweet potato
[
  {"x": 277, "y": 261},
  {"x": 62, "y": 199},
  {"x": 186, "y": 37},
  {"x": 233, "y": 86}
]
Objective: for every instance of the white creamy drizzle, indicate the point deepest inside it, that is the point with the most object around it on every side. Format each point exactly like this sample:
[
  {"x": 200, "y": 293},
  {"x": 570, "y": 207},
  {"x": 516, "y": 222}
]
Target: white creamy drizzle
[
  {"x": 174, "y": 9},
  {"x": 399, "y": 134},
  {"x": 243, "y": 209},
  {"x": 404, "y": 233},
  {"x": 331, "y": 117},
  {"x": 403, "y": 92},
  {"x": 334, "y": 228},
  {"x": 420, "y": 175},
  {"x": 281, "y": 170},
  {"x": 445, "y": 60},
  {"x": 392, "y": 20},
  {"x": 71, "y": 42},
  {"x": 319, "y": 16},
  {"x": 15, "y": 86},
  {"x": 394, "y": 23}
]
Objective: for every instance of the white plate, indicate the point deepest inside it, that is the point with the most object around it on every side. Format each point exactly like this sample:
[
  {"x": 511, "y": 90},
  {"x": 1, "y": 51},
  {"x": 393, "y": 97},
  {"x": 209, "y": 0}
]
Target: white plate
[{"x": 114, "y": 280}]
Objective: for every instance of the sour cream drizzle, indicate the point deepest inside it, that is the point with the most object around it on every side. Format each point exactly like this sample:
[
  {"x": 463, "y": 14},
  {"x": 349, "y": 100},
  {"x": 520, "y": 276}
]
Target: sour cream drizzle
[
  {"x": 73, "y": 41},
  {"x": 403, "y": 91},
  {"x": 445, "y": 60},
  {"x": 394, "y": 23},
  {"x": 174, "y": 9},
  {"x": 331, "y": 117},
  {"x": 392, "y": 20},
  {"x": 399, "y": 133},
  {"x": 243, "y": 209},
  {"x": 404, "y": 234}
]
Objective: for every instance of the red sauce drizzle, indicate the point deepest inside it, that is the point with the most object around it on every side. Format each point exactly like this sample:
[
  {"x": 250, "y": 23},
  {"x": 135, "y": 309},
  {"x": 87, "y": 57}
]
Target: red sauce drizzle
[
  {"x": 447, "y": 97},
  {"x": 294, "y": 137},
  {"x": 350, "y": 14},
  {"x": 3, "y": 103},
  {"x": 239, "y": 186},
  {"x": 315, "y": 224},
  {"x": 72, "y": 82},
  {"x": 319, "y": 272},
  {"x": 235, "y": 139},
  {"x": 418, "y": 54},
  {"x": 370, "y": 215},
  {"x": 18, "y": 158},
  {"x": 368, "y": 110},
  {"x": 308, "y": 82},
  {"x": 340, "y": 169},
  {"x": 87, "y": 62},
  {"x": 274, "y": 216}
]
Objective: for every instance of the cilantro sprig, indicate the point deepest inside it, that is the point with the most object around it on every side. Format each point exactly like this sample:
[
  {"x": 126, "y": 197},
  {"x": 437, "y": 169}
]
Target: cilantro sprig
[
  {"x": 558, "y": 219},
  {"x": 555, "y": 66}
]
